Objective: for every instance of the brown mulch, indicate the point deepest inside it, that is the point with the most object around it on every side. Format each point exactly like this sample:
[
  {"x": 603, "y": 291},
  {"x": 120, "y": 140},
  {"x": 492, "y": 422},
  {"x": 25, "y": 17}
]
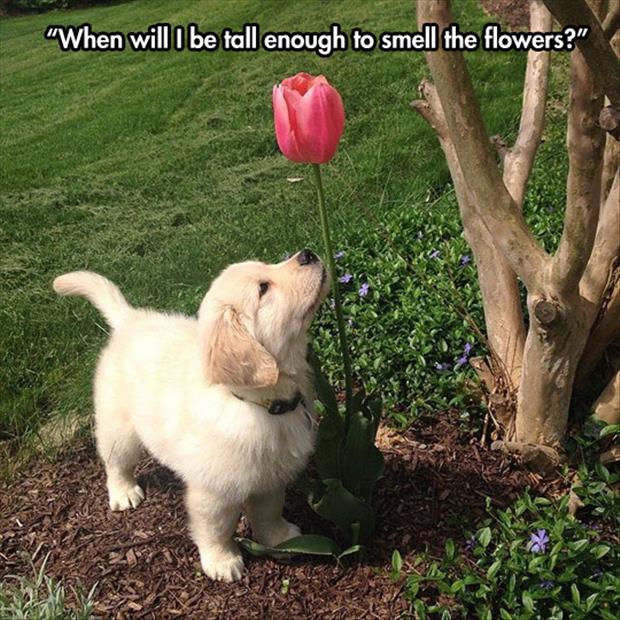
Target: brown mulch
[{"x": 436, "y": 481}]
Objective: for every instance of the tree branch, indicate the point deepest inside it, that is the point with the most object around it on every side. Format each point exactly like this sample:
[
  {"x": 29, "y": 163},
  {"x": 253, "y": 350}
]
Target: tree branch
[
  {"x": 595, "y": 47},
  {"x": 606, "y": 249},
  {"x": 611, "y": 23},
  {"x": 607, "y": 407},
  {"x": 498, "y": 284},
  {"x": 609, "y": 120},
  {"x": 585, "y": 148},
  {"x": 611, "y": 162},
  {"x": 491, "y": 199},
  {"x": 519, "y": 160},
  {"x": 605, "y": 331},
  {"x": 611, "y": 156}
]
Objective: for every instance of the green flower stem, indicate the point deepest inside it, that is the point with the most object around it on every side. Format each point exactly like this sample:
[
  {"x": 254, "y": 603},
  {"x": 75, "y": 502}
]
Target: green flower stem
[{"x": 329, "y": 256}]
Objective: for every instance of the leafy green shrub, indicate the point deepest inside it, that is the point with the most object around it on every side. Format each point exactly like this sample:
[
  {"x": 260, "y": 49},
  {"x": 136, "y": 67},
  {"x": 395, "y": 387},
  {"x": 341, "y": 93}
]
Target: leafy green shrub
[
  {"x": 407, "y": 330},
  {"x": 405, "y": 335},
  {"x": 47, "y": 5},
  {"x": 532, "y": 560},
  {"x": 39, "y": 5}
]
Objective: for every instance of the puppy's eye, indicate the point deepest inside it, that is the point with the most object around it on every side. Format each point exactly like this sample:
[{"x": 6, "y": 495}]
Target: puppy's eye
[{"x": 263, "y": 287}]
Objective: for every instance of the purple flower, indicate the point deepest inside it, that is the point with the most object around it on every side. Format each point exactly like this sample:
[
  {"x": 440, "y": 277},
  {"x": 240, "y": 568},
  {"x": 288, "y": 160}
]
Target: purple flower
[
  {"x": 346, "y": 278},
  {"x": 338, "y": 255},
  {"x": 539, "y": 541},
  {"x": 434, "y": 254},
  {"x": 465, "y": 259},
  {"x": 465, "y": 357},
  {"x": 546, "y": 584},
  {"x": 462, "y": 360},
  {"x": 441, "y": 367},
  {"x": 364, "y": 289},
  {"x": 470, "y": 543}
]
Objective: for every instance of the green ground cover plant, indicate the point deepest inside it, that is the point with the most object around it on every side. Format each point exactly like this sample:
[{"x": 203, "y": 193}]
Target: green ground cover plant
[{"x": 531, "y": 560}]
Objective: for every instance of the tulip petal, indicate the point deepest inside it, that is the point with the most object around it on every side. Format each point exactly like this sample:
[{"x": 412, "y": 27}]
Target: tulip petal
[
  {"x": 319, "y": 123},
  {"x": 284, "y": 117},
  {"x": 302, "y": 82}
]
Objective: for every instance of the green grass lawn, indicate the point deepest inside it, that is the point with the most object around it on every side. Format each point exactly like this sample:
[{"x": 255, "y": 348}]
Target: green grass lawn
[{"x": 158, "y": 169}]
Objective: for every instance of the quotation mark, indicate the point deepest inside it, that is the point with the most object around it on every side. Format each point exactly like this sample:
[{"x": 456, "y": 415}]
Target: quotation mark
[{"x": 52, "y": 32}]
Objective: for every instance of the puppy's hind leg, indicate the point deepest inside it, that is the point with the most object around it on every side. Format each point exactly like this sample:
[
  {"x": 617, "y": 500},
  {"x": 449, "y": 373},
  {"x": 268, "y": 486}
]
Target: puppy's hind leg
[
  {"x": 120, "y": 458},
  {"x": 120, "y": 449},
  {"x": 269, "y": 527}
]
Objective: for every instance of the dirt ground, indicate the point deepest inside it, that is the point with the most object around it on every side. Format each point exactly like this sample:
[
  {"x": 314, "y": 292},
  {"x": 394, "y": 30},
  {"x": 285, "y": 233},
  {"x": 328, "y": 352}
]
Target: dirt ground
[{"x": 436, "y": 480}]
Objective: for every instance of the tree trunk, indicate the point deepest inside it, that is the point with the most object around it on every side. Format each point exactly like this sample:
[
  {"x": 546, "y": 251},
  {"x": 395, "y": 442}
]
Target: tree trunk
[
  {"x": 566, "y": 290},
  {"x": 553, "y": 347}
]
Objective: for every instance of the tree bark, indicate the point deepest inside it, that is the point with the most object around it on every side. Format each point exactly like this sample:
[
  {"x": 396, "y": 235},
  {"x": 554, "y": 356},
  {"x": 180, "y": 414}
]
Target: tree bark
[
  {"x": 595, "y": 48},
  {"x": 611, "y": 157},
  {"x": 606, "y": 330},
  {"x": 611, "y": 23},
  {"x": 498, "y": 283},
  {"x": 607, "y": 407},
  {"x": 609, "y": 120},
  {"x": 585, "y": 148},
  {"x": 559, "y": 322},
  {"x": 519, "y": 160},
  {"x": 553, "y": 347}
]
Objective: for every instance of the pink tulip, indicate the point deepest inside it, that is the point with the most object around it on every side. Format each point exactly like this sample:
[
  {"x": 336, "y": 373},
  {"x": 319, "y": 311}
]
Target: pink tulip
[{"x": 309, "y": 118}]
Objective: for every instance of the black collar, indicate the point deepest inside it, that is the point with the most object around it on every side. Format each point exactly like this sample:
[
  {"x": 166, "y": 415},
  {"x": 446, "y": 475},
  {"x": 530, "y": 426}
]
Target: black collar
[{"x": 277, "y": 406}]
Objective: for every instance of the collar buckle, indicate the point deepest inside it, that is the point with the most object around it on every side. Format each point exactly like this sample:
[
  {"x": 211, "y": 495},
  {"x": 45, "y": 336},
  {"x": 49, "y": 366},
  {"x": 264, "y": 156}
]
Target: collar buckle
[{"x": 278, "y": 406}]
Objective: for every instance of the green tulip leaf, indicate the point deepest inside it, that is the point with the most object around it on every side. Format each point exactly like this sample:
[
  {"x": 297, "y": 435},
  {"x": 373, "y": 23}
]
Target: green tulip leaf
[
  {"x": 323, "y": 389},
  {"x": 362, "y": 462},
  {"x": 350, "y": 551},
  {"x": 308, "y": 544},
  {"x": 353, "y": 517},
  {"x": 328, "y": 448}
]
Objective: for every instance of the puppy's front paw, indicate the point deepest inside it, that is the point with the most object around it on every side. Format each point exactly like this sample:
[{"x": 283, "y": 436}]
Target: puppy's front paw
[
  {"x": 124, "y": 497},
  {"x": 277, "y": 533},
  {"x": 222, "y": 565}
]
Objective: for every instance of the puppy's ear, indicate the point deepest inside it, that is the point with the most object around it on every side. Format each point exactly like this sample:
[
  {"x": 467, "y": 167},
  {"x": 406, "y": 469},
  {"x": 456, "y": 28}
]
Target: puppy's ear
[{"x": 235, "y": 357}]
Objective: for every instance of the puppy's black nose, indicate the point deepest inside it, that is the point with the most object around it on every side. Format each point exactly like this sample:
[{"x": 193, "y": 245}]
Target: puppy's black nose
[{"x": 306, "y": 257}]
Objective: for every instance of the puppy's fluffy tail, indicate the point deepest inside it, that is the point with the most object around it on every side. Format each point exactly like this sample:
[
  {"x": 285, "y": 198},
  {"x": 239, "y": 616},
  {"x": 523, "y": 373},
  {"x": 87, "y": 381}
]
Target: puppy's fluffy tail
[{"x": 104, "y": 295}]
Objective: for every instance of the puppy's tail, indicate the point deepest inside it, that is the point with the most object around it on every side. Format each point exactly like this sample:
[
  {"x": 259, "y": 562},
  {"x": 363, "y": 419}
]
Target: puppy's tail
[{"x": 104, "y": 295}]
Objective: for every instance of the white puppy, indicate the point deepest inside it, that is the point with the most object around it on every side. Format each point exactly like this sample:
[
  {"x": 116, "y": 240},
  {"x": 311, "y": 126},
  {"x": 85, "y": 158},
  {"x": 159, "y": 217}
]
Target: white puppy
[{"x": 225, "y": 400}]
